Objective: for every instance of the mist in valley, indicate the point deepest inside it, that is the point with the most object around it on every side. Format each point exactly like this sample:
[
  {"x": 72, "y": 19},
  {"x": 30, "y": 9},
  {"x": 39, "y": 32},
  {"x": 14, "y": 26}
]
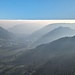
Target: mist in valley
[
  {"x": 46, "y": 50},
  {"x": 37, "y": 37}
]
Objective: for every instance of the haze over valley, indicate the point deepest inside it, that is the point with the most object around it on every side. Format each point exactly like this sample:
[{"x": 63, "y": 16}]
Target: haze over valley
[
  {"x": 30, "y": 53},
  {"x": 37, "y": 37}
]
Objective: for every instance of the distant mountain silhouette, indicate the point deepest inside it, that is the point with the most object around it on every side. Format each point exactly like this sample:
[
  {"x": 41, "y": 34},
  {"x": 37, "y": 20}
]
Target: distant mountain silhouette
[
  {"x": 55, "y": 34},
  {"x": 4, "y": 34},
  {"x": 37, "y": 34},
  {"x": 24, "y": 29}
]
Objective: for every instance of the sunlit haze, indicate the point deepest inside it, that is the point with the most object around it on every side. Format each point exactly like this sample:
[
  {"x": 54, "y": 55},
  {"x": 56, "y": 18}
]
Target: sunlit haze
[{"x": 9, "y": 23}]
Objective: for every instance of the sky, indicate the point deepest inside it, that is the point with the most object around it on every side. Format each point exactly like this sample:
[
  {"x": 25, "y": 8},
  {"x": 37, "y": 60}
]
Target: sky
[{"x": 37, "y": 9}]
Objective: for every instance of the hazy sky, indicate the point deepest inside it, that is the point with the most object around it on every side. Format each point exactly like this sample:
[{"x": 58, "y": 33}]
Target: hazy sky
[
  {"x": 9, "y": 23},
  {"x": 37, "y": 9}
]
